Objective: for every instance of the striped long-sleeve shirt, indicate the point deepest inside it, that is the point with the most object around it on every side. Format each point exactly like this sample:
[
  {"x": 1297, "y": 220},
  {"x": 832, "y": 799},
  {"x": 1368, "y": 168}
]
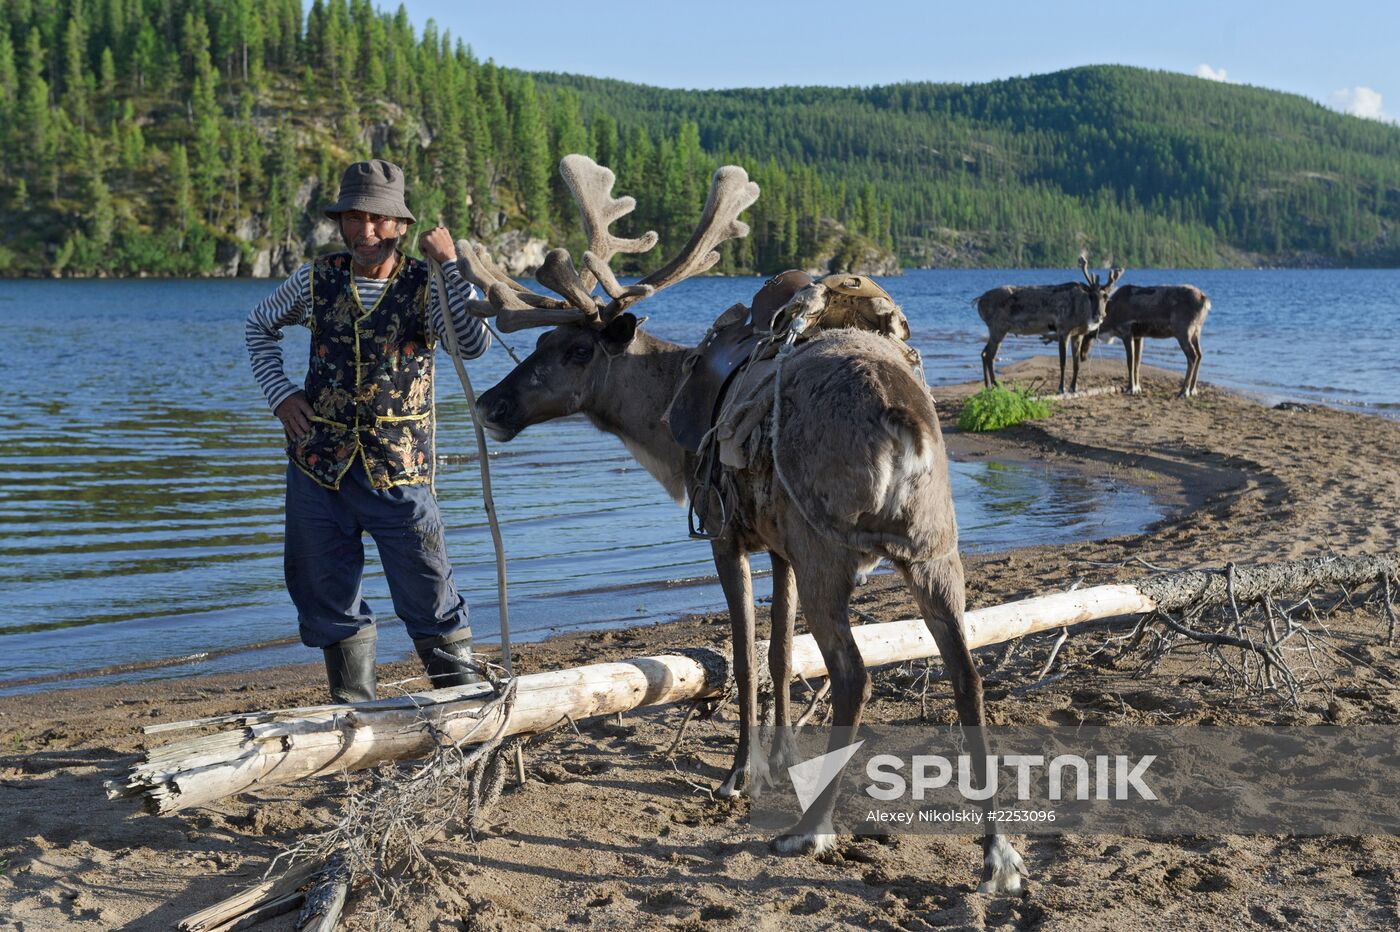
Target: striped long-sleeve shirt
[{"x": 290, "y": 305}]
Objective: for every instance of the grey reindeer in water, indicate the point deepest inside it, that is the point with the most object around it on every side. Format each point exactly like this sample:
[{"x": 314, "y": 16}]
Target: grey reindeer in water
[
  {"x": 1070, "y": 312},
  {"x": 1162, "y": 312},
  {"x": 858, "y": 473}
]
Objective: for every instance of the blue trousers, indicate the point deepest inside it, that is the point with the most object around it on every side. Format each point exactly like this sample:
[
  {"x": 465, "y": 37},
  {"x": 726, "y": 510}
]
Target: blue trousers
[{"x": 325, "y": 557}]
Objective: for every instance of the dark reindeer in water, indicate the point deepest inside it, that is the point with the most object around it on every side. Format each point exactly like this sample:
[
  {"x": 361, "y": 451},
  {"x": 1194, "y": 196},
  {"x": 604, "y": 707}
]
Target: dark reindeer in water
[
  {"x": 859, "y": 442},
  {"x": 1070, "y": 312},
  {"x": 1162, "y": 312}
]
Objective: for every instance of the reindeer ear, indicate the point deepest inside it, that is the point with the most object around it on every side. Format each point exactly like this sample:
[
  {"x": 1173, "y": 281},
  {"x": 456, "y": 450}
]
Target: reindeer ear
[{"x": 620, "y": 331}]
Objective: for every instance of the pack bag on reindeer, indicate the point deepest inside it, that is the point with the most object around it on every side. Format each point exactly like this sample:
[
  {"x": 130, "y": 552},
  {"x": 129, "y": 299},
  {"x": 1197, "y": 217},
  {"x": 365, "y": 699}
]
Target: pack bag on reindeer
[
  {"x": 853, "y": 471},
  {"x": 718, "y": 409}
]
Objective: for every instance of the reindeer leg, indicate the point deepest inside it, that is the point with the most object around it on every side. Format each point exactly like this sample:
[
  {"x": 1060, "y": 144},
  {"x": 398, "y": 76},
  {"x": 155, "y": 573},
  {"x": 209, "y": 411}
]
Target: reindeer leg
[
  {"x": 1185, "y": 340},
  {"x": 1137, "y": 366},
  {"x": 989, "y": 358},
  {"x": 1128, "y": 354},
  {"x": 1074, "y": 347},
  {"x": 784, "y": 753},
  {"x": 1195, "y": 366},
  {"x": 825, "y": 587},
  {"x": 939, "y": 592},
  {"x": 1064, "y": 338},
  {"x": 733, "y": 566}
]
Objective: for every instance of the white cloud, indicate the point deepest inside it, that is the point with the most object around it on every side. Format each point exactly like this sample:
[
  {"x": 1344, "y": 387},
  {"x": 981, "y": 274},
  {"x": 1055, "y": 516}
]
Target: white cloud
[
  {"x": 1360, "y": 101},
  {"x": 1211, "y": 74}
]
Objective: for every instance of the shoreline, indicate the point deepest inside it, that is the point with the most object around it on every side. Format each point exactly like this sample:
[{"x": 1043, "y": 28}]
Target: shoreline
[{"x": 608, "y": 832}]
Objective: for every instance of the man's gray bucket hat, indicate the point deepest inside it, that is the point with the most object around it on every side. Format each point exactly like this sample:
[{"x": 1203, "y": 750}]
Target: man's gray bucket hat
[{"x": 376, "y": 187}]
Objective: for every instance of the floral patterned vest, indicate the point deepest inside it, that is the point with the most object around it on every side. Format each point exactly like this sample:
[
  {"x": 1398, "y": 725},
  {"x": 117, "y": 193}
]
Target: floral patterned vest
[{"x": 370, "y": 381}]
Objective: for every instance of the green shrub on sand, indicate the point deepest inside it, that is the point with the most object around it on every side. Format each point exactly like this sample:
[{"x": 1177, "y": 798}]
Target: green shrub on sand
[{"x": 997, "y": 407}]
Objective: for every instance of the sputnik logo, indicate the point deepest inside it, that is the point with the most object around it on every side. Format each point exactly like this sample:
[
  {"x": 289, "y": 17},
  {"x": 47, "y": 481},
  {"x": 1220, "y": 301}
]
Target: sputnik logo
[{"x": 811, "y": 777}]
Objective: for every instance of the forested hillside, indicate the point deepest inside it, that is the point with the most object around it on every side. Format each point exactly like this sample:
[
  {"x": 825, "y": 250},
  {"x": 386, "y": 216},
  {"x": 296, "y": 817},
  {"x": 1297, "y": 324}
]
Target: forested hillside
[
  {"x": 190, "y": 137},
  {"x": 1151, "y": 168}
]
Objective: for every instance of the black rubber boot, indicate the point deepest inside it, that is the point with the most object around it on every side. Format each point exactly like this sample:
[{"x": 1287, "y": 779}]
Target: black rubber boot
[
  {"x": 444, "y": 671},
  {"x": 350, "y": 667}
]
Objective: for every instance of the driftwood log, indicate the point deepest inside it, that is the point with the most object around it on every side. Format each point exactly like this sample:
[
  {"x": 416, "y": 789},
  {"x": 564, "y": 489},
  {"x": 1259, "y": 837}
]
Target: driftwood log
[{"x": 270, "y": 748}]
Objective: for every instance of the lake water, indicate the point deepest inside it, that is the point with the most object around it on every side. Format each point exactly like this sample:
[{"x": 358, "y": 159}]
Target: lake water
[{"x": 141, "y": 480}]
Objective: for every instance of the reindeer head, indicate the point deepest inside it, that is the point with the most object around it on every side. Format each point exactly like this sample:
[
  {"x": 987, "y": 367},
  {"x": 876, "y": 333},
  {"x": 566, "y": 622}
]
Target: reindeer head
[
  {"x": 570, "y": 368},
  {"x": 1100, "y": 292}
]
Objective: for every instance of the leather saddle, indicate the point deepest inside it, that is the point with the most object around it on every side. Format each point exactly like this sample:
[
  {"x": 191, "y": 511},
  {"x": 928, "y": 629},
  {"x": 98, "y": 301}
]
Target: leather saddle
[{"x": 715, "y": 362}]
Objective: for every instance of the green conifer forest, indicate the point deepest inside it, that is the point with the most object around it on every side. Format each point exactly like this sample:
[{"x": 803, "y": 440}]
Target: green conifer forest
[{"x": 195, "y": 137}]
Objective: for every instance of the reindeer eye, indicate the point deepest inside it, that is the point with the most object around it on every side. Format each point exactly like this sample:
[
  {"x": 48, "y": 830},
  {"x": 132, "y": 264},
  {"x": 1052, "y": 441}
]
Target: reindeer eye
[{"x": 580, "y": 353}]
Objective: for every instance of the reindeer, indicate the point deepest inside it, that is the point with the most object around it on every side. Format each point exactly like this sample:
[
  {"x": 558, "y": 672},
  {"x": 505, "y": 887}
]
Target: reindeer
[
  {"x": 1135, "y": 312},
  {"x": 1070, "y": 312},
  {"x": 858, "y": 472}
]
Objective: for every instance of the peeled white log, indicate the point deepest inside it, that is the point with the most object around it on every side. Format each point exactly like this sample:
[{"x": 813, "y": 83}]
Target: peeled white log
[
  {"x": 281, "y": 747},
  {"x": 297, "y": 744}
]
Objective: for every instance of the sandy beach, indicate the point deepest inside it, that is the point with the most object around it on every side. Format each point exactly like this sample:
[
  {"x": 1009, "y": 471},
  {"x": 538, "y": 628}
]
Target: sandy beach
[{"x": 608, "y": 833}]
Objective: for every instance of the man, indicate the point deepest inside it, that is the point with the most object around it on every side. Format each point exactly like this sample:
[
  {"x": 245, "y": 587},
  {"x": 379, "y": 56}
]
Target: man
[{"x": 360, "y": 435}]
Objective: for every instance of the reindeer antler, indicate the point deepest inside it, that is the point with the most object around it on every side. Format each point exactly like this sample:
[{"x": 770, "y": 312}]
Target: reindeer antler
[
  {"x": 1114, "y": 274},
  {"x": 591, "y": 185},
  {"x": 477, "y": 266},
  {"x": 513, "y": 314},
  {"x": 731, "y": 193},
  {"x": 516, "y": 307},
  {"x": 559, "y": 276}
]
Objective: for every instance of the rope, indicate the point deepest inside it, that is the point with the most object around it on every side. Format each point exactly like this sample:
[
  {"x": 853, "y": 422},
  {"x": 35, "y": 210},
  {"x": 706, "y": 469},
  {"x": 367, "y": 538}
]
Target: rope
[
  {"x": 500, "y": 342},
  {"x": 450, "y": 338}
]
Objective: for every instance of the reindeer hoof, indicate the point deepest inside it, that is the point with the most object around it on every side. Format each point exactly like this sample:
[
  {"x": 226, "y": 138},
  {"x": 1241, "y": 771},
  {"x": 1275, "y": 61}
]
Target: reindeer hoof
[
  {"x": 782, "y": 758},
  {"x": 743, "y": 781},
  {"x": 813, "y": 843},
  {"x": 734, "y": 785},
  {"x": 1002, "y": 870}
]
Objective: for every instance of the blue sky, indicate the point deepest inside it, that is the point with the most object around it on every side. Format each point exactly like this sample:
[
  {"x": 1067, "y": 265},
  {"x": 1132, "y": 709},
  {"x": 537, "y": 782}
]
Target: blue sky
[{"x": 1342, "y": 53}]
